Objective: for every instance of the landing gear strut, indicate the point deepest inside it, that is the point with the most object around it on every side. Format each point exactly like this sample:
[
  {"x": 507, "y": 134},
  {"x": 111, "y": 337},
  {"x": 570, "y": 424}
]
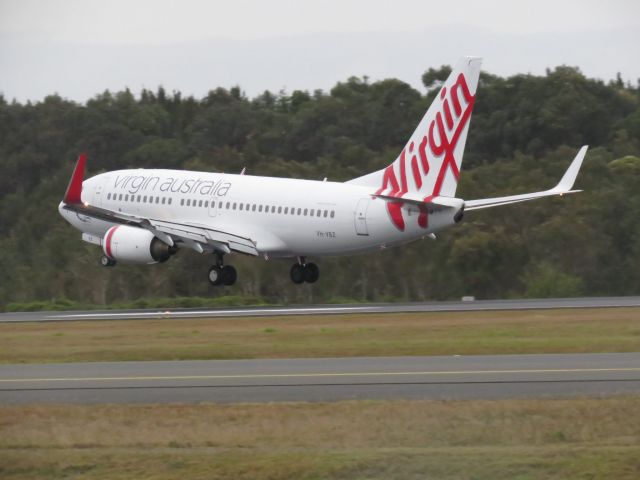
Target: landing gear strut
[
  {"x": 107, "y": 262},
  {"x": 304, "y": 272},
  {"x": 221, "y": 274}
]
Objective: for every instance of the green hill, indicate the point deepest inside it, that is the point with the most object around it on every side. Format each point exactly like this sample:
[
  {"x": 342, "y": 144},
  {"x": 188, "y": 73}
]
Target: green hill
[{"x": 525, "y": 129}]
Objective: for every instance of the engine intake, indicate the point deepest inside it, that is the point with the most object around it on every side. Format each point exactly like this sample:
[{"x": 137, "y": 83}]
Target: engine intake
[{"x": 135, "y": 245}]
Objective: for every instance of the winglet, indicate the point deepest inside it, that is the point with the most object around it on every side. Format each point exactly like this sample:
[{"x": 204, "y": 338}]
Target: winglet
[
  {"x": 569, "y": 177},
  {"x": 74, "y": 190}
]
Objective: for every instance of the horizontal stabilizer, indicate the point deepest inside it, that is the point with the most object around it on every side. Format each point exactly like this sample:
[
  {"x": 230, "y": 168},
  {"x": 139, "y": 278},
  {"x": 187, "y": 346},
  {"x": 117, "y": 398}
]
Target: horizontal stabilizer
[
  {"x": 435, "y": 203},
  {"x": 564, "y": 186}
]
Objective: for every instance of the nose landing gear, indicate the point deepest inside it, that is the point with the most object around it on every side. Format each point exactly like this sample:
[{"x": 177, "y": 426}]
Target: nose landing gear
[
  {"x": 304, "y": 272},
  {"x": 107, "y": 262}
]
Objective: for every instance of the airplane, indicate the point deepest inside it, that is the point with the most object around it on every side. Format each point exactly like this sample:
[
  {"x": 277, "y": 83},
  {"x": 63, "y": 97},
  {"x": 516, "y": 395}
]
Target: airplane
[{"x": 144, "y": 216}]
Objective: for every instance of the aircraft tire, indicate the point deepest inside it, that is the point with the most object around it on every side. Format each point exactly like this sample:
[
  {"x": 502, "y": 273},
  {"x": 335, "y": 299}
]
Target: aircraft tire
[
  {"x": 106, "y": 261},
  {"x": 311, "y": 273},
  {"x": 228, "y": 275},
  {"x": 215, "y": 275},
  {"x": 297, "y": 273}
]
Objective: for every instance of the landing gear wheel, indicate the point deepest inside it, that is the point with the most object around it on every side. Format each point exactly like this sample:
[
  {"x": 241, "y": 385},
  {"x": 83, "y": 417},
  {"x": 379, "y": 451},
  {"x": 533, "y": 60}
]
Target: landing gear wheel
[
  {"x": 297, "y": 273},
  {"x": 229, "y": 275},
  {"x": 215, "y": 275},
  {"x": 311, "y": 273},
  {"x": 106, "y": 261}
]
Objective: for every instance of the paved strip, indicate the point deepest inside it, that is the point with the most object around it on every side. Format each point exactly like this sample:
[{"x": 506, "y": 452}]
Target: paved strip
[
  {"x": 315, "y": 375},
  {"x": 454, "y": 377},
  {"x": 478, "y": 305}
]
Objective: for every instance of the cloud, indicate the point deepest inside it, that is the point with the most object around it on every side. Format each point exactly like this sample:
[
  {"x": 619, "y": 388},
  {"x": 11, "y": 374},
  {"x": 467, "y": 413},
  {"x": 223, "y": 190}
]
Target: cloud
[{"x": 78, "y": 71}]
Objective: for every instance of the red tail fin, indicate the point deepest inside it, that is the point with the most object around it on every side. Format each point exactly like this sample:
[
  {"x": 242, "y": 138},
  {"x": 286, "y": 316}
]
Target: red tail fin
[{"x": 74, "y": 190}]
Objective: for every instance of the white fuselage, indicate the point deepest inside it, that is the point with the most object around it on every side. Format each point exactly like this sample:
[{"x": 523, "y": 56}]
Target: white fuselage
[{"x": 284, "y": 217}]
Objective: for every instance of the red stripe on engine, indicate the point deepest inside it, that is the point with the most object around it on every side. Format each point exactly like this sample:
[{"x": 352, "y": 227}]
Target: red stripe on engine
[{"x": 107, "y": 241}]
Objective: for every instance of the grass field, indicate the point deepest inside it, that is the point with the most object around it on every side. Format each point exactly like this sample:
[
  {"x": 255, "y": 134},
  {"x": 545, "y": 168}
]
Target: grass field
[
  {"x": 507, "y": 439},
  {"x": 464, "y": 333}
]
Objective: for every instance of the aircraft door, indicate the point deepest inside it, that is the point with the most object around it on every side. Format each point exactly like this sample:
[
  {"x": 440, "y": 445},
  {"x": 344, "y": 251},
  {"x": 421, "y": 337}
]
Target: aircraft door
[
  {"x": 213, "y": 206},
  {"x": 361, "y": 216},
  {"x": 98, "y": 191}
]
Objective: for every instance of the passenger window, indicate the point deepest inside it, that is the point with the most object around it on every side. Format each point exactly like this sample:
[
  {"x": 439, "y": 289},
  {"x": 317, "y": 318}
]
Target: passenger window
[
  {"x": 169, "y": 202},
  {"x": 325, "y": 214},
  {"x": 157, "y": 199},
  {"x": 286, "y": 210},
  {"x": 188, "y": 202},
  {"x": 164, "y": 200},
  {"x": 305, "y": 212},
  {"x": 332, "y": 213},
  {"x": 279, "y": 209},
  {"x": 240, "y": 207},
  {"x": 200, "y": 203},
  {"x": 273, "y": 209},
  {"x": 253, "y": 207},
  {"x": 234, "y": 205},
  {"x": 299, "y": 211},
  {"x": 259, "y": 208}
]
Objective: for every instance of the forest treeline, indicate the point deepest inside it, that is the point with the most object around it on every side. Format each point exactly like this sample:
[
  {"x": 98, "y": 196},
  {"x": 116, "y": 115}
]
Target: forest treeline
[{"x": 524, "y": 132}]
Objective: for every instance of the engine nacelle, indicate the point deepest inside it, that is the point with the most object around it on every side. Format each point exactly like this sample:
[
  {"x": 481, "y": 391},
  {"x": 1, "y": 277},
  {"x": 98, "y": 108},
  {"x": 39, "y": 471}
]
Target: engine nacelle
[{"x": 135, "y": 245}]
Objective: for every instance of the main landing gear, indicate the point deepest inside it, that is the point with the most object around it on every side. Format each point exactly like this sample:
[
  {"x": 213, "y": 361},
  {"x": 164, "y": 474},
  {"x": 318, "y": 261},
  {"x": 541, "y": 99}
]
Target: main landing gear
[
  {"x": 221, "y": 274},
  {"x": 304, "y": 272}
]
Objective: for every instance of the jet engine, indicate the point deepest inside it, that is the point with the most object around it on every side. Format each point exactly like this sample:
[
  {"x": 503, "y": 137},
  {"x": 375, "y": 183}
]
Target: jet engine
[{"x": 135, "y": 245}]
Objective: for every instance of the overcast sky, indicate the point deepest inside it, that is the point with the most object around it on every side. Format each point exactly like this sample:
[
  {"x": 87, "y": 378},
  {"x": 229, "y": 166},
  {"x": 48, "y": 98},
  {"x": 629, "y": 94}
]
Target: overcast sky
[{"x": 78, "y": 48}]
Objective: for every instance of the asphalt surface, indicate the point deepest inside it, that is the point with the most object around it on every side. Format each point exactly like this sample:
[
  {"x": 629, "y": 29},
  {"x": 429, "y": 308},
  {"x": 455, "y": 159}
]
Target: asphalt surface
[
  {"x": 330, "y": 379},
  {"x": 477, "y": 305}
]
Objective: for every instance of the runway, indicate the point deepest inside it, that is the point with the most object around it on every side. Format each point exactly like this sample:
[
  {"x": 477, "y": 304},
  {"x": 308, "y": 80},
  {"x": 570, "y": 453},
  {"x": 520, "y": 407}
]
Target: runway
[
  {"x": 330, "y": 379},
  {"x": 461, "y": 306}
]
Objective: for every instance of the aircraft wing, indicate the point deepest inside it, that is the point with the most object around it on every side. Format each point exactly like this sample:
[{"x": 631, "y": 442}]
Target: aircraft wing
[
  {"x": 195, "y": 236},
  {"x": 563, "y": 187}
]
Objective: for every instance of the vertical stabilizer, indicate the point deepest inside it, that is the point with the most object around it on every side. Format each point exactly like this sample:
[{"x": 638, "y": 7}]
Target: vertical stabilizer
[{"x": 429, "y": 164}]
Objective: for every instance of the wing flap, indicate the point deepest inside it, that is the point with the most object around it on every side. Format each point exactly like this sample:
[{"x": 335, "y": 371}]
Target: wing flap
[{"x": 207, "y": 236}]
